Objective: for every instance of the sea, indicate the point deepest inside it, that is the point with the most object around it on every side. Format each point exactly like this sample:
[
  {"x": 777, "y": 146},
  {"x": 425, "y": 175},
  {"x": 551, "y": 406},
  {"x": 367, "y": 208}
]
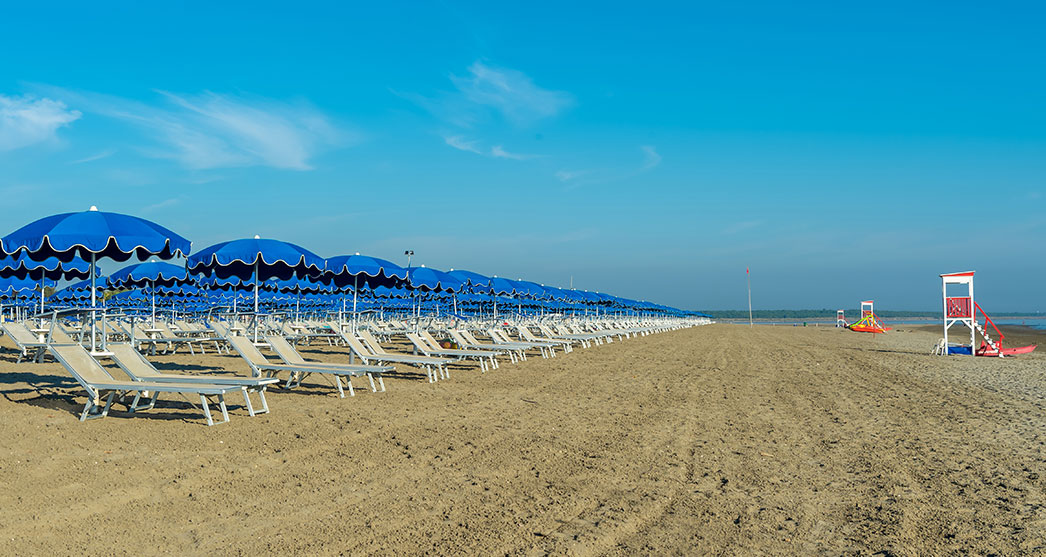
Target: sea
[{"x": 1033, "y": 322}]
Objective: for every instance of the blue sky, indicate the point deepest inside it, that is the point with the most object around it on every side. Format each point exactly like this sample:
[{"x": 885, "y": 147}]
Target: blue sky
[{"x": 649, "y": 150}]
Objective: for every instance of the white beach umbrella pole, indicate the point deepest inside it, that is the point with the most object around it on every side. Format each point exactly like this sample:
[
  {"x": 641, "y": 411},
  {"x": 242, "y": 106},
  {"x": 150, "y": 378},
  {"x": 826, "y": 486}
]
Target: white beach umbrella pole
[
  {"x": 355, "y": 289},
  {"x": 256, "y": 300},
  {"x": 93, "y": 301}
]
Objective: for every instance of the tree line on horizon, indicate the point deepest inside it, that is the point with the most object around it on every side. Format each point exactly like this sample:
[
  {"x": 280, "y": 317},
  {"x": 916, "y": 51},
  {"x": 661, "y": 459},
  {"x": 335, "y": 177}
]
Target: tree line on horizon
[{"x": 851, "y": 314}]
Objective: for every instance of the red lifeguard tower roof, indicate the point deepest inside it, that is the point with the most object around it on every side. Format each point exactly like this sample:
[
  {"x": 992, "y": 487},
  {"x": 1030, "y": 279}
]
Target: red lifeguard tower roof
[{"x": 963, "y": 274}]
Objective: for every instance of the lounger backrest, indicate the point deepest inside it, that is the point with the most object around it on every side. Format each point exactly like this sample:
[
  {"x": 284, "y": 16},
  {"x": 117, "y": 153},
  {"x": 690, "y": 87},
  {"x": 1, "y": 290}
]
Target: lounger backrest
[
  {"x": 58, "y": 335},
  {"x": 139, "y": 332},
  {"x": 248, "y": 351},
  {"x": 78, "y": 362},
  {"x": 430, "y": 339},
  {"x": 20, "y": 334},
  {"x": 357, "y": 346},
  {"x": 372, "y": 342},
  {"x": 220, "y": 329},
  {"x": 131, "y": 361},
  {"x": 525, "y": 333},
  {"x": 420, "y": 342},
  {"x": 285, "y": 350},
  {"x": 459, "y": 338}
]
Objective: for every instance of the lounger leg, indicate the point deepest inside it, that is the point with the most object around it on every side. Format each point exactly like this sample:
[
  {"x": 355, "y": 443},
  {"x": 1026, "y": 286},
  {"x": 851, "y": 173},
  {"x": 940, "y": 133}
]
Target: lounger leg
[
  {"x": 337, "y": 381},
  {"x": 247, "y": 401},
  {"x": 265, "y": 403},
  {"x": 206, "y": 410},
  {"x": 348, "y": 381},
  {"x": 370, "y": 377},
  {"x": 87, "y": 415},
  {"x": 225, "y": 411},
  {"x": 428, "y": 372},
  {"x": 446, "y": 371},
  {"x": 381, "y": 382}
]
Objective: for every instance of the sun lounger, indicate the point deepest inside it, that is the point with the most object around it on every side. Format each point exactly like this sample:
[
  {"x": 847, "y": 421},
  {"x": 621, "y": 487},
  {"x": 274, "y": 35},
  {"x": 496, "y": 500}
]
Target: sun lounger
[
  {"x": 380, "y": 356},
  {"x": 483, "y": 356},
  {"x": 261, "y": 365},
  {"x": 25, "y": 341},
  {"x": 467, "y": 341},
  {"x": 501, "y": 338},
  {"x": 525, "y": 334},
  {"x": 134, "y": 364},
  {"x": 292, "y": 357},
  {"x": 96, "y": 381},
  {"x": 584, "y": 340}
]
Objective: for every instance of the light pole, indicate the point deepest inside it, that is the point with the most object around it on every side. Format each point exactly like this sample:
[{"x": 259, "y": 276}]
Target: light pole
[{"x": 410, "y": 253}]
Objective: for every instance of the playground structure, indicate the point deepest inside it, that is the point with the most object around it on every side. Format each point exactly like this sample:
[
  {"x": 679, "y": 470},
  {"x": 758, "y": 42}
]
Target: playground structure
[
  {"x": 963, "y": 309},
  {"x": 840, "y": 319},
  {"x": 869, "y": 322}
]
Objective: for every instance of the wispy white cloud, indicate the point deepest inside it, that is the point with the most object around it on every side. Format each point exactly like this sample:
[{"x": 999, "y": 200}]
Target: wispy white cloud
[
  {"x": 474, "y": 146},
  {"x": 499, "y": 152},
  {"x": 161, "y": 205},
  {"x": 578, "y": 178},
  {"x": 488, "y": 90},
  {"x": 95, "y": 157},
  {"x": 459, "y": 142},
  {"x": 511, "y": 92},
  {"x": 568, "y": 175},
  {"x": 212, "y": 130},
  {"x": 652, "y": 158},
  {"x": 28, "y": 120}
]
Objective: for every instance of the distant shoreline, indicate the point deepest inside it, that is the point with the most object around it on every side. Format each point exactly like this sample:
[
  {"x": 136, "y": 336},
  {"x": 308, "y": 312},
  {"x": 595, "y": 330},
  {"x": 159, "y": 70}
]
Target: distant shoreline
[{"x": 851, "y": 314}]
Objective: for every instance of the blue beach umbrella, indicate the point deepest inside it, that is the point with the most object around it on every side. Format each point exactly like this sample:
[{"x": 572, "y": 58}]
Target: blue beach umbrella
[
  {"x": 473, "y": 281},
  {"x": 258, "y": 260},
  {"x": 90, "y": 235},
  {"x": 373, "y": 272},
  {"x": 432, "y": 280},
  {"x": 21, "y": 266},
  {"x": 151, "y": 274}
]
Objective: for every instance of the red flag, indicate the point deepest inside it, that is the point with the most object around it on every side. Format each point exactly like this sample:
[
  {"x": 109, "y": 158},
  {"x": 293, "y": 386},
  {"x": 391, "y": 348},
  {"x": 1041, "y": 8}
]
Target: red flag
[{"x": 747, "y": 272}]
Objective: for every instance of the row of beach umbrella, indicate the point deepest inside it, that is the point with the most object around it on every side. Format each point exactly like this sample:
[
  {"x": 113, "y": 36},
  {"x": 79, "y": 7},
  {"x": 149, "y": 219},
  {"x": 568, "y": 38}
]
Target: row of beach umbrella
[{"x": 69, "y": 246}]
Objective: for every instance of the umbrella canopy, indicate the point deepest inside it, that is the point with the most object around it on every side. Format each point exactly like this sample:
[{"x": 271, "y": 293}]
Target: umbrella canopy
[
  {"x": 150, "y": 273},
  {"x": 258, "y": 258},
  {"x": 94, "y": 233},
  {"x": 90, "y": 235},
  {"x": 14, "y": 287},
  {"x": 432, "y": 280},
  {"x": 22, "y": 266},
  {"x": 476, "y": 282},
  {"x": 353, "y": 270}
]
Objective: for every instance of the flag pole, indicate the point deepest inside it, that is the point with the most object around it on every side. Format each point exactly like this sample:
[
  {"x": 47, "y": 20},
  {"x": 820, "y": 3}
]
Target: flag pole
[{"x": 748, "y": 273}]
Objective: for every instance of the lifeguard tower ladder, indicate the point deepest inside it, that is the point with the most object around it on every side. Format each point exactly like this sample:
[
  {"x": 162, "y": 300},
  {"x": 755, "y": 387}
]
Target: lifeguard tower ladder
[{"x": 963, "y": 309}]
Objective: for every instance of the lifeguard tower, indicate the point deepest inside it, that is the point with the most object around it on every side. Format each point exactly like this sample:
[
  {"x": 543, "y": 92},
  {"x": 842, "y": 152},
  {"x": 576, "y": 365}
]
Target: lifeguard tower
[
  {"x": 840, "y": 319},
  {"x": 961, "y": 307},
  {"x": 869, "y": 322}
]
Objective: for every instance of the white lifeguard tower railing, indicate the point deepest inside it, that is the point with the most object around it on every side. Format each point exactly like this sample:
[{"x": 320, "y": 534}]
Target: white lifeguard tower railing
[
  {"x": 867, "y": 308},
  {"x": 962, "y": 308}
]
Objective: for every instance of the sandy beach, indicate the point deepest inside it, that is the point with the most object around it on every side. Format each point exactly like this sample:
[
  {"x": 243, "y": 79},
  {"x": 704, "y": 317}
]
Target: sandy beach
[{"x": 720, "y": 439}]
